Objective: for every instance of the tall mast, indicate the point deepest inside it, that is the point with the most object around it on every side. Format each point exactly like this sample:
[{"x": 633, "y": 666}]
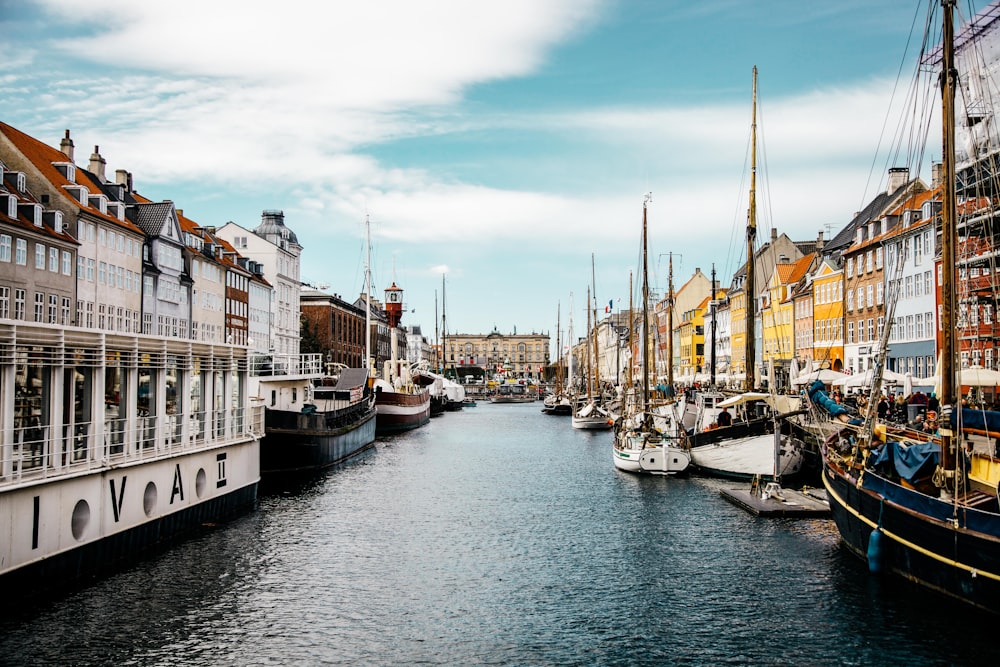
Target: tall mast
[
  {"x": 572, "y": 347},
  {"x": 645, "y": 307},
  {"x": 369, "y": 365},
  {"x": 948, "y": 231},
  {"x": 559, "y": 366},
  {"x": 631, "y": 325},
  {"x": 670, "y": 321},
  {"x": 439, "y": 351},
  {"x": 714, "y": 312},
  {"x": 590, "y": 388},
  {"x": 597, "y": 363},
  {"x": 751, "y": 291},
  {"x": 444, "y": 332}
]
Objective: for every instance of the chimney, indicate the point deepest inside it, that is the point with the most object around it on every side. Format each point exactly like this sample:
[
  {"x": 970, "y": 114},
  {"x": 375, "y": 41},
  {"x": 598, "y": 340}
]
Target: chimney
[
  {"x": 97, "y": 164},
  {"x": 124, "y": 179},
  {"x": 819, "y": 241},
  {"x": 936, "y": 174},
  {"x": 898, "y": 177},
  {"x": 180, "y": 213},
  {"x": 774, "y": 234},
  {"x": 66, "y": 146}
]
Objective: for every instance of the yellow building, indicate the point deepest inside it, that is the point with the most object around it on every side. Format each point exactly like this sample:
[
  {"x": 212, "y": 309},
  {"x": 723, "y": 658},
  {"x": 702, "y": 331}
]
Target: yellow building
[
  {"x": 777, "y": 319},
  {"x": 691, "y": 339},
  {"x": 828, "y": 317}
]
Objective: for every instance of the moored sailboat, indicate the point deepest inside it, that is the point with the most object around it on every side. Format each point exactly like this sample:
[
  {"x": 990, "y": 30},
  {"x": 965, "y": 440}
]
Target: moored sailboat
[
  {"x": 744, "y": 447},
  {"x": 648, "y": 439},
  {"x": 926, "y": 509}
]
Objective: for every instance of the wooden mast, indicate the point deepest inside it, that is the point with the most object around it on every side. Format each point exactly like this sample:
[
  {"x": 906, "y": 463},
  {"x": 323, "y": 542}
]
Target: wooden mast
[
  {"x": 948, "y": 237},
  {"x": 751, "y": 290},
  {"x": 670, "y": 322},
  {"x": 597, "y": 363},
  {"x": 645, "y": 312}
]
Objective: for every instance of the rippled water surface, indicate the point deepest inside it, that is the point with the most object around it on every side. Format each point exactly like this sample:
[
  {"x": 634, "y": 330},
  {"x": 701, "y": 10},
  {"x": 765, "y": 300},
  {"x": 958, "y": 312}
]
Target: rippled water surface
[{"x": 499, "y": 536}]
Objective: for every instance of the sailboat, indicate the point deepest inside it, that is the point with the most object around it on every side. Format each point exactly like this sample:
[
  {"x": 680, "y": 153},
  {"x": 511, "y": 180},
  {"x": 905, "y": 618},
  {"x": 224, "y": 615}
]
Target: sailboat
[
  {"x": 590, "y": 414},
  {"x": 644, "y": 443},
  {"x": 927, "y": 511},
  {"x": 558, "y": 403},
  {"x": 743, "y": 447}
]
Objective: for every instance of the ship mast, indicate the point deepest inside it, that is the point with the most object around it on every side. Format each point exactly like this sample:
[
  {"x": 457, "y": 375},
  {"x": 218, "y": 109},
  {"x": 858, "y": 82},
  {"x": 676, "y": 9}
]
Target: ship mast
[
  {"x": 751, "y": 291},
  {"x": 645, "y": 311},
  {"x": 948, "y": 238},
  {"x": 369, "y": 364},
  {"x": 670, "y": 323},
  {"x": 597, "y": 363}
]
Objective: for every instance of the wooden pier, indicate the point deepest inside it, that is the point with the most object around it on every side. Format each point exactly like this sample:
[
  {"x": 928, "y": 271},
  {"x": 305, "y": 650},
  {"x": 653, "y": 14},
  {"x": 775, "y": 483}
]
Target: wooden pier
[{"x": 773, "y": 500}]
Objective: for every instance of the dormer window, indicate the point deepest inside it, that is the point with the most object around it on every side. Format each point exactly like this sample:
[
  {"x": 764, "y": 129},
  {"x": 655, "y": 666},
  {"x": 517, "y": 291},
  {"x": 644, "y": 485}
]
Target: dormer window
[
  {"x": 78, "y": 192},
  {"x": 55, "y": 220},
  {"x": 116, "y": 209},
  {"x": 100, "y": 202},
  {"x": 32, "y": 212},
  {"x": 67, "y": 169},
  {"x": 22, "y": 182},
  {"x": 11, "y": 206}
]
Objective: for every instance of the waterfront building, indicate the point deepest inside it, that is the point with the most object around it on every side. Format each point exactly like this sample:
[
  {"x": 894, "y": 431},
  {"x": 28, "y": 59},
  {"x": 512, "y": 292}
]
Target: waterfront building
[
  {"x": 277, "y": 249},
  {"x": 687, "y": 298},
  {"x": 822, "y": 337},
  {"x": 166, "y": 284},
  {"x": 339, "y": 327},
  {"x": 517, "y": 356},
  {"x": 909, "y": 279},
  {"x": 419, "y": 349},
  {"x": 777, "y": 318},
  {"x": 717, "y": 317},
  {"x": 106, "y": 247},
  {"x": 208, "y": 294},
  {"x": 690, "y": 339}
]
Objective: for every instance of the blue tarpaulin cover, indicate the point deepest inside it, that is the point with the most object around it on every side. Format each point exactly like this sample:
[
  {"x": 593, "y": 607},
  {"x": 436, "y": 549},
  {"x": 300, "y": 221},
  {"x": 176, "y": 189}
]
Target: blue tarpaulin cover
[{"x": 911, "y": 462}]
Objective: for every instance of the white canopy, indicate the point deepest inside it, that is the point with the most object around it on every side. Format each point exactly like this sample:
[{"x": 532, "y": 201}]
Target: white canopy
[
  {"x": 825, "y": 375},
  {"x": 865, "y": 379},
  {"x": 973, "y": 376},
  {"x": 741, "y": 398}
]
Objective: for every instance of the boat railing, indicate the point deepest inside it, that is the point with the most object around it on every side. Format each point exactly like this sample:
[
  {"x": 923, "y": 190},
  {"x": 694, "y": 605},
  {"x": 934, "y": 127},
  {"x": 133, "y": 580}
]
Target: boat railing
[
  {"x": 45, "y": 452},
  {"x": 271, "y": 364}
]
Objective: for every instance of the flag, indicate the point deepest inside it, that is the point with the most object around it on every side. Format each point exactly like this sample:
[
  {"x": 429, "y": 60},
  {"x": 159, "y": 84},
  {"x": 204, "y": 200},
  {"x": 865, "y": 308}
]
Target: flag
[{"x": 607, "y": 308}]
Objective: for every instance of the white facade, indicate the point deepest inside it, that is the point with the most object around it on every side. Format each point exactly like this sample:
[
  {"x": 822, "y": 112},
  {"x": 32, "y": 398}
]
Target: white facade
[{"x": 277, "y": 249}]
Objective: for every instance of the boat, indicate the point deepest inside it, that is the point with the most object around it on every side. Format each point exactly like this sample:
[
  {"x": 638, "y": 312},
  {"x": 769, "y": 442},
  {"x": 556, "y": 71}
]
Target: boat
[
  {"x": 514, "y": 391},
  {"x": 743, "y": 447},
  {"x": 925, "y": 509},
  {"x": 558, "y": 402},
  {"x": 648, "y": 438},
  {"x": 116, "y": 445},
  {"x": 469, "y": 403},
  {"x": 401, "y": 404},
  {"x": 589, "y": 412},
  {"x": 313, "y": 420}
]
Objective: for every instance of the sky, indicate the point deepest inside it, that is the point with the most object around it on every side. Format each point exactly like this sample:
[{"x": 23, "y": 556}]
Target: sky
[{"x": 501, "y": 151}]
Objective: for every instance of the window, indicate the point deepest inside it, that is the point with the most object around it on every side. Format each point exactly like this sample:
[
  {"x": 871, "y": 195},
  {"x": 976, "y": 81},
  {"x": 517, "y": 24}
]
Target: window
[
  {"x": 18, "y": 304},
  {"x": 67, "y": 263},
  {"x": 879, "y": 294},
  {"x": 5, "y": 240},
  {"x": 878, "y": 258},
  {"x": 21, "y": 252},
  {"x": 90, "y": 270},
  {"x": 66, "y": 310},
  {"x": 102, "y": 274},
  {"x": 871, "y": 296},
  {"x": 4, "y": 303},
  {"x": 850, "y": 267},
  {"x": 850, "y": 332},
  {"x": 53, "y": 309},
  {"x": 871, "y": 329},
  {"x": 39, "y": 256},
  {"x": 39, "y": 306}
]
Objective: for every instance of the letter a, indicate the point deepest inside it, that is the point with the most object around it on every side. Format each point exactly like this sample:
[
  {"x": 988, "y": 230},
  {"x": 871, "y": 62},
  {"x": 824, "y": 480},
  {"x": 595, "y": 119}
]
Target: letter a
[{"x": 178, "y": 489}]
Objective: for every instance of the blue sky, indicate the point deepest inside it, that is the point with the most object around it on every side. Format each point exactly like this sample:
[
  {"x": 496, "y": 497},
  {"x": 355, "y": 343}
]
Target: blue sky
[{"x": 500, "y": 143}]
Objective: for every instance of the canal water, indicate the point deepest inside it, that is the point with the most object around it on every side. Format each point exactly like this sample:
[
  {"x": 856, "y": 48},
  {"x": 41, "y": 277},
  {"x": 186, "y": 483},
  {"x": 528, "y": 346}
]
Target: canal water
[{"x": 499, "y": 536}]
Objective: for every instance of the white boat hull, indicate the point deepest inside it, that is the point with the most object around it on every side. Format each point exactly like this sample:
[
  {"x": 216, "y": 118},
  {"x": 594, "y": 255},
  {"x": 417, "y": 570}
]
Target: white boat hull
[
  {"x": 744, "y": 458},
  {"x": 661, "y": 457}
]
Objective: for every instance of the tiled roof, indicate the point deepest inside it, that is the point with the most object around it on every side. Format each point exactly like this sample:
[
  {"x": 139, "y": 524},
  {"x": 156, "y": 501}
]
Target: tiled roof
[{"x": 43, "y": 156}]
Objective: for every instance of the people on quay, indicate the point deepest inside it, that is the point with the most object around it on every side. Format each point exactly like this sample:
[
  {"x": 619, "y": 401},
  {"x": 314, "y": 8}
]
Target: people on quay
[
  {"x": 724, "y": 418},
  {"x": 882, "y": 407}
]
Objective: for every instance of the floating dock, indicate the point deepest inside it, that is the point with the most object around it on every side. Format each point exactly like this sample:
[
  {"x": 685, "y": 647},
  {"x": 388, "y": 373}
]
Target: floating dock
[{"x": 776, "y": 501}]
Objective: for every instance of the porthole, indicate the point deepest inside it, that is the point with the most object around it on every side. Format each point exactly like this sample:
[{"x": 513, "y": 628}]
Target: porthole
[
  {"x": 81, "y": 519},
  {"x": 200, "y": 480},
  {"x": 149, "y": 499}
]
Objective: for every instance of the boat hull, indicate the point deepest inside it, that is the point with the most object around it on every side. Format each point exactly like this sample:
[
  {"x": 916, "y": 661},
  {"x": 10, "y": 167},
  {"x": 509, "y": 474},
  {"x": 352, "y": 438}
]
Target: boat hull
[
  {"x": 748, "y": 457},
  {"x": 592, "y": 423},
  {"x": 66, "y": 531},
  {"x": 298, "y": 443},
  {"x": 919, "y": 540},
  {"x": 397, "y": 412}
]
